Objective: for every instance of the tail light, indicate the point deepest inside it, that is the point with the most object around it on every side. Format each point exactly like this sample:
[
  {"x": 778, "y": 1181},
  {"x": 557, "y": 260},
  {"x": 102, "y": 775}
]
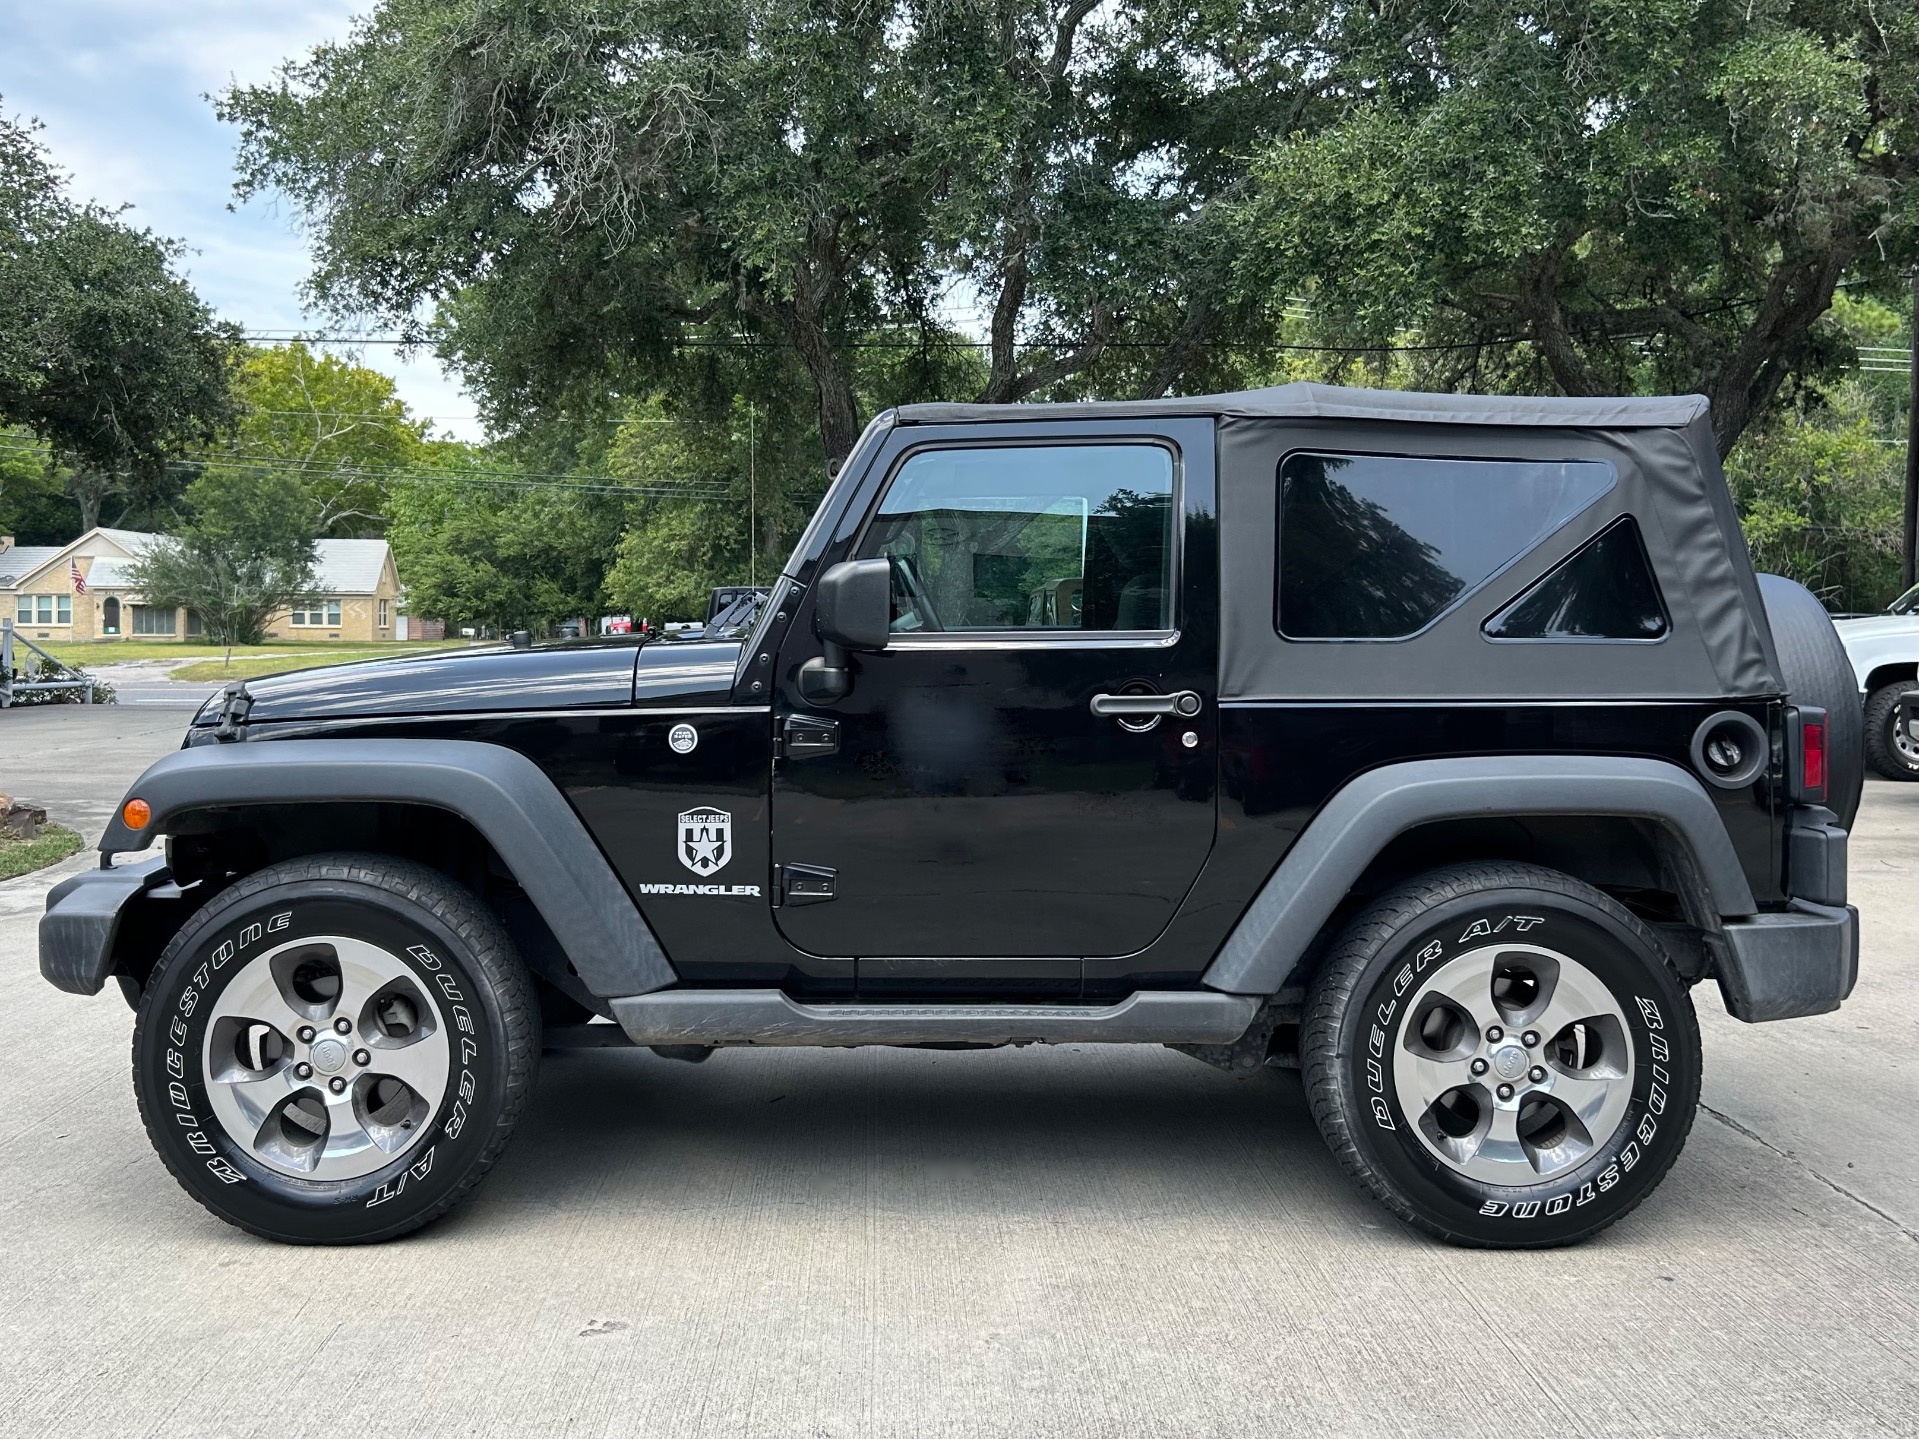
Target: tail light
[{"x": 1806, "y": 754}]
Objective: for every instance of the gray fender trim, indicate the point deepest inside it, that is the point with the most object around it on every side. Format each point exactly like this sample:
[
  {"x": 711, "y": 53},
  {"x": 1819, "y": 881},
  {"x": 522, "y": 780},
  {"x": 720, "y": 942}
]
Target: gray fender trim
[
  {"x": 82, "y": 918},
  {"x": 1378, "y": 806},
  {"x": 500, "y": 792}
]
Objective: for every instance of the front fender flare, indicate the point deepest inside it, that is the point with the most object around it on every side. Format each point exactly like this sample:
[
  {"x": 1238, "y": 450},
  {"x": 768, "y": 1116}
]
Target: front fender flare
[
  {"x": 1366, "y": 815},
  {"x": 499, "y": 791}
]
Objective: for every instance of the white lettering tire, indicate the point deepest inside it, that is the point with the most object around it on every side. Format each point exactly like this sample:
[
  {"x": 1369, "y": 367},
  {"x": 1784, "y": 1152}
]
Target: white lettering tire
[
  {"x": 335, "y": 1049},
  {"x": 1502, "y": 1055}
]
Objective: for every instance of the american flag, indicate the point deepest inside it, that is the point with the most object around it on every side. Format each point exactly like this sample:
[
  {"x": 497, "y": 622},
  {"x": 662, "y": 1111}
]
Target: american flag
[{"x": 79, "y": 580}]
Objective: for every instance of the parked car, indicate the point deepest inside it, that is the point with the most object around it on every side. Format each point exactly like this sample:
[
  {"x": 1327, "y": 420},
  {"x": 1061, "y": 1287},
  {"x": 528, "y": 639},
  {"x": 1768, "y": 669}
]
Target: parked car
[
  {"x": 1435, "y": 746},
  {"x": 1883, "y": 650}
]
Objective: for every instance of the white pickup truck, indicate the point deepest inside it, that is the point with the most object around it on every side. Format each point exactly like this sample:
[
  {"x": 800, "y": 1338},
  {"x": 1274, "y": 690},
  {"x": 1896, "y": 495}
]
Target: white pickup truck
[{"x": 1884, "y": 650}]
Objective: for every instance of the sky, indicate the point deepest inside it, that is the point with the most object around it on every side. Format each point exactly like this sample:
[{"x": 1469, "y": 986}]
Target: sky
[{"x": 119, "y": 87}]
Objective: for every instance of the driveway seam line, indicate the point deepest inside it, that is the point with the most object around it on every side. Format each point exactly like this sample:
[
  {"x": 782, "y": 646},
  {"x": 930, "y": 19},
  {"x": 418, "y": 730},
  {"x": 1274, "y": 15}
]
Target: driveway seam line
[{"x": 1804, "y": 1168}]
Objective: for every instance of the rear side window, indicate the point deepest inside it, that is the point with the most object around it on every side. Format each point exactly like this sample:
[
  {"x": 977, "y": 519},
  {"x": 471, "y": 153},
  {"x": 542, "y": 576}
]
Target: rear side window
[
  {"x": 1029, "y": 537},
  {"x": 1377, "y": 547},
  {"x": 1604, "y": 591}
]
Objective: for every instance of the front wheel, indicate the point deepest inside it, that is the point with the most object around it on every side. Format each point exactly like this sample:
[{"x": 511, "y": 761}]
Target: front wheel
[
  {"x": 1502, "y": 1055},
  {"x": 335, "y": 1050}
]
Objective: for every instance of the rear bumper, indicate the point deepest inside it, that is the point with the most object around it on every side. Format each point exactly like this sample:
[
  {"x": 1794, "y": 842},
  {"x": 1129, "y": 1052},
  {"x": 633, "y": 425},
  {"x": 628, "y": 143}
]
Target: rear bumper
[
  {"x": 1787, "y": 965},
  {"x": 82, "y": 919}
]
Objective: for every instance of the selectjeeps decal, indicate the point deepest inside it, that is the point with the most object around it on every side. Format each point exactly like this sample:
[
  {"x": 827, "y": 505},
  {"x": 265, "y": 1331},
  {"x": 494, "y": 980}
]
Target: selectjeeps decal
[
  {"x": 704, "y": 845},
  {"x": 706, "y": 840}
]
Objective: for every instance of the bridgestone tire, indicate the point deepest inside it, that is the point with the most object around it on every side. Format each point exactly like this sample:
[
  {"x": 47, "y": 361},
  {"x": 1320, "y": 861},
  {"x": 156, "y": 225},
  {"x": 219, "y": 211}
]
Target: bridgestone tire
[
  {"x": 1817, "y": 672},
  {"x": 1361, "y": 1005},
  {"x": 452, "y": 958},
  {"x": 1882, "y": 749}
]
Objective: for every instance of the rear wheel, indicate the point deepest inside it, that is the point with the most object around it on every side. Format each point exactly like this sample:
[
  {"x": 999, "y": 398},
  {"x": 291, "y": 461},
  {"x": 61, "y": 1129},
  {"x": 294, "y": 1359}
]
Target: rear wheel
[
  {"x": 335, "y": 1050},
  {"x": 1890, "y": 749},
  {"x": 1502, "y": 1055}
]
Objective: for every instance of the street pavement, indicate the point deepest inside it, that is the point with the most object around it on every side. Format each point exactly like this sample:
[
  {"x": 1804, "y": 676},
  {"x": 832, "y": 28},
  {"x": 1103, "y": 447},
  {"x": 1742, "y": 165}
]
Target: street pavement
[
  {"x": 1079, "y": 1241},
  {"x": 145, "y": 683}
]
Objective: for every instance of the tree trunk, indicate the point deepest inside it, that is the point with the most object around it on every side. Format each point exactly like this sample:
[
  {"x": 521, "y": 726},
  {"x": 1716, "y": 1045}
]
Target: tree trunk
[
  {"x": 839, "y": 411},
  {"x": 89, "y": 487},
  {"x": 1774, "y": 343}
]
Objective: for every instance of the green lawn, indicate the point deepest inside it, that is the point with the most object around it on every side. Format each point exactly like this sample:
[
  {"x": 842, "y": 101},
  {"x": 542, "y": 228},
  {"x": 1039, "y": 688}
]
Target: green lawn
[
  {"x": 248, "y": 659},
  {"x": 22, "y": 856},
  {"x": 107, "y": 652}
]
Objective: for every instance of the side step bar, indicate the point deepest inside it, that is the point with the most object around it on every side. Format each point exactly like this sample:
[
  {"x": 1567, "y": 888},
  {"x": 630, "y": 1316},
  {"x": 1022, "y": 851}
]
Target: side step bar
[{"x": 766, "y": 1016}]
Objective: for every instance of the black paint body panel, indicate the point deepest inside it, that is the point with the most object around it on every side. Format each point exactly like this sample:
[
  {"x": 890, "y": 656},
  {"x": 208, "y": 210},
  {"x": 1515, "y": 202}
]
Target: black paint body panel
[{"x": 451, "y": 682}]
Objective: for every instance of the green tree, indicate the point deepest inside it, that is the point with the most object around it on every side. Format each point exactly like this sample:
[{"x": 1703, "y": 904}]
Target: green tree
[
  {"x": 35, "y": 507},
  {"x": 590, "y": 193},
  {"x": 246, "y": 554},
  {"x": 482, "y": 545},
  {"x": 106, "y": 355},
  {"x": 1650, "y": 196},
  {"x": 337, "y": 427},
  {"x": 1820, "y": 497}
]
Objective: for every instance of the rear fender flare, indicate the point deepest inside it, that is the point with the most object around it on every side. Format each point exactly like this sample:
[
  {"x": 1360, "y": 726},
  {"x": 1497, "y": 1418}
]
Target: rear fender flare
[
  {"x": 1377, "y": 807},
  {"x": 499, "y": 791}
]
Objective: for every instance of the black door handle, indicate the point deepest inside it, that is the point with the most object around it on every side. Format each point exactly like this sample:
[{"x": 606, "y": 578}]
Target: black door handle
[{"x": 1185, "y": 704}]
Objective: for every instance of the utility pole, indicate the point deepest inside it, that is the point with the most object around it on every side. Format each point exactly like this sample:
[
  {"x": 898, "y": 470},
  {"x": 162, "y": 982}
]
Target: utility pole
[
  {"x": 1909, "y": 557},
  {"x": 753, "y": 497}
]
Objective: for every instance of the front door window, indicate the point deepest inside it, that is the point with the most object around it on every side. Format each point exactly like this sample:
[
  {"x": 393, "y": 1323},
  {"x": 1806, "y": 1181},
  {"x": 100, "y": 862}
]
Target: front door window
[{"x": 1036, "y": 537}]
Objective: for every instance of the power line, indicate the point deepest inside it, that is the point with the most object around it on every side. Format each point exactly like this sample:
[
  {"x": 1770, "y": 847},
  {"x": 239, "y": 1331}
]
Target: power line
[{"x": 390, "y": 474}]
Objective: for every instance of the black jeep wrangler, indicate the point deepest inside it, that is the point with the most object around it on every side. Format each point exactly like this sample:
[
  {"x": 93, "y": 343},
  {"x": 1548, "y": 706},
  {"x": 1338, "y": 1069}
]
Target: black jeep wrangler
[{"x": 1436, "y": 746}]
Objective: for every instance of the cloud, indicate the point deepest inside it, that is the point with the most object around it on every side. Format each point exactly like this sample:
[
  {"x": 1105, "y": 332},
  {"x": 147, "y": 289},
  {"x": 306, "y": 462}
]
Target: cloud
[{"x": 119, "y": 86}]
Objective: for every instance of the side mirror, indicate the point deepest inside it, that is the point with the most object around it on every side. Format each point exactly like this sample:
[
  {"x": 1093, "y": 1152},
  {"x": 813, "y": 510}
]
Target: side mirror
[{"x": 853, "y": 602}]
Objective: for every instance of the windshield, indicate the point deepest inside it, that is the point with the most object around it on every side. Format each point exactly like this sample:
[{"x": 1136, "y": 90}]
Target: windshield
[{"x": 1906, "y": 604}]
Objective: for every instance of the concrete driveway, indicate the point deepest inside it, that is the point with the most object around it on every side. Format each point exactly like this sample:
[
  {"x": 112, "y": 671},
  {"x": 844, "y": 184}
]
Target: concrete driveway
[{"x": 1099, "y": 1242}]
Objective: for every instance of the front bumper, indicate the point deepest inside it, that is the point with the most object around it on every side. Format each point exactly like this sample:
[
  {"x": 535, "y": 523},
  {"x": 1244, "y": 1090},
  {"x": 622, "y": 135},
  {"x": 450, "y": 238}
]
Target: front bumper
[
  {"x": 1801, "y": 961},
  {"x": 82, "y": 921}
]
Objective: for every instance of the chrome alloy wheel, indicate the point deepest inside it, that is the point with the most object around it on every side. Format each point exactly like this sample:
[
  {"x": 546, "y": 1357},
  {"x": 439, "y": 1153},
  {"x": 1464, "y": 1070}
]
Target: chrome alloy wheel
[
  {"x": 326, "y": 1057},
  {"x": 1514, "y": 1064},
  {"x": 1903, "y": 740}
]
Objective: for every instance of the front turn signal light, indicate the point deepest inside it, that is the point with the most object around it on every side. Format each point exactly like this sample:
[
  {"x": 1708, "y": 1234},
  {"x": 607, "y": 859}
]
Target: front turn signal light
[{"x": 136, "y": 814}]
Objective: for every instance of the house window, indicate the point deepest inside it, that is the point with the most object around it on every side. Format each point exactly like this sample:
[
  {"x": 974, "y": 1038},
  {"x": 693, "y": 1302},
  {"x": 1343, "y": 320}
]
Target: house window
[
  {"x": 44, "y": 610},
  {"x": 153, "y": 619},
  {"x": 383, "y": 614},
  {"x": 317, "y": 612},
  {"x": 196, "y": 625}
]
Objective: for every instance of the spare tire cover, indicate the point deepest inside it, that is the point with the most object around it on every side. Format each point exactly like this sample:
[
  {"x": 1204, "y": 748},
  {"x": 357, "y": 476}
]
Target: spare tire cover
[{"x": 1817, "y": 672}]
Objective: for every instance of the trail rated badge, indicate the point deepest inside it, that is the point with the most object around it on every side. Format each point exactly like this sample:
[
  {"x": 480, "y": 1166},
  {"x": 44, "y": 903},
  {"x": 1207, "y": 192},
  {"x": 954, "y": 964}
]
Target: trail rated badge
[{"x": 706, "y": 840}]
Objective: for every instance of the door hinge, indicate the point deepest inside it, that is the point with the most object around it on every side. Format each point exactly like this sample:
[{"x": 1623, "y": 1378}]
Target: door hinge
[
  {"x": 805, "y": 737},
  {"x": 803, "y": 884}
]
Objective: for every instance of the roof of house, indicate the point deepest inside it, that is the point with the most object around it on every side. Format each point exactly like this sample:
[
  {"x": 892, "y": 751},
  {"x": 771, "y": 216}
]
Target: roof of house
[
  {"x": 133, "y": 541},
  {"x": 109, "y": 573},
  {"x": 20, "y": 561},
  {"x": 349, "y": 567}
]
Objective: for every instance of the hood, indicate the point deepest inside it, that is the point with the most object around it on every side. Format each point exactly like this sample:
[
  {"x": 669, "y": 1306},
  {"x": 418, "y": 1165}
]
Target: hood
[
  {"x": 590, "y": 675},
  {"x": 1872, "y": 627}
]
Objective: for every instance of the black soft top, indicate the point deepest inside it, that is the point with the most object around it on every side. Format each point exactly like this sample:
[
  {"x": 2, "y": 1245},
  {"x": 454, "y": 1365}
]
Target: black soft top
[
  {"x": 1669, "y": 480},
  {"x": 1303, "y": 401}
]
